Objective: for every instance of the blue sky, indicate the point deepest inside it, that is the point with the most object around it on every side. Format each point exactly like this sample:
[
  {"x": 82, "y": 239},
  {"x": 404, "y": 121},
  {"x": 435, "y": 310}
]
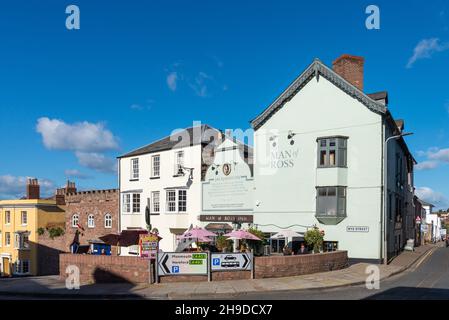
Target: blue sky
[{"x": 136, "y": 70}]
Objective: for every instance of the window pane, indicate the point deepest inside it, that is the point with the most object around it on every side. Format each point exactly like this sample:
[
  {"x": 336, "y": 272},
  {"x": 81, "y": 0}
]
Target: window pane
[
  {"x": 332, "y": 143},
  {"x": 323, "y": 142},
  {"x": 322, "y": 192},
  {"x": 331, "y": 191},
  {"x": 323, "y": 158},
  {"x": 332, "y": 158},
  {"x": 136, "y": 202},
  {"x": 182, "y": 200}
]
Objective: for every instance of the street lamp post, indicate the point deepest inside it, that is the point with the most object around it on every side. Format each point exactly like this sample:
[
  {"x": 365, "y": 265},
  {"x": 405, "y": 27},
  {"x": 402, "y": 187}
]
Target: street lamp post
[{"x": 385, "y": 178}]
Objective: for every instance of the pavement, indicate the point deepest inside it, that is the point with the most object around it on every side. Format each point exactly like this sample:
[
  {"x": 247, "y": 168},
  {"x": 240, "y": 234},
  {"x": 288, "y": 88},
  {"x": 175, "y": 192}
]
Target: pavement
[{"x": 53, "y": 287}]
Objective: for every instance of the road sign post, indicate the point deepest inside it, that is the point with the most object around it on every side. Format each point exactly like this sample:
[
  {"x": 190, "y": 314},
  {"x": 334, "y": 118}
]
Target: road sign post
[{"x": 156, "y": 268}]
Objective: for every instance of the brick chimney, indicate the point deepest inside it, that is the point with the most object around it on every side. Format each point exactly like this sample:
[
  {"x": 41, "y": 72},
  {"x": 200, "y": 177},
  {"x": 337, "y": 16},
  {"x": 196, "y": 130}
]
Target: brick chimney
[
  {"x": 350, "y": 68},
  {"x": 62, "y": 193},
  {"x": 33, "y": 189}
]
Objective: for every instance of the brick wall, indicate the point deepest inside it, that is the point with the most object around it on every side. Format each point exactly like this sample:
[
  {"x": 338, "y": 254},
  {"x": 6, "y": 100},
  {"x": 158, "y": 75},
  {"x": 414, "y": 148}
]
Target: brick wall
[
  {"x": 98, "y": 269},
  {"x": 351, "y": 69},
  {"x": 48, "y": 251},
  {"x": 106, "y": 269},
  {"x": 285, "y": 266},
  {"x": 98, "y": 203}
]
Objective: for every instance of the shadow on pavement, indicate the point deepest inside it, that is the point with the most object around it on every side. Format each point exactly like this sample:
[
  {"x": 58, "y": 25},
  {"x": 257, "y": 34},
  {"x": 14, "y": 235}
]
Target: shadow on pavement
[
  {"x": 107, "y": 285},
  {"x": 411, "y": 293}
]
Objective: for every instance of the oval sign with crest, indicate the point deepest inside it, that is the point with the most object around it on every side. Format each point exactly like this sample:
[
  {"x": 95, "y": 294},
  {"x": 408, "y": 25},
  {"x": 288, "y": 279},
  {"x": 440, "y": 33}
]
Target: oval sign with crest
[{"x": 226, "y": 169}]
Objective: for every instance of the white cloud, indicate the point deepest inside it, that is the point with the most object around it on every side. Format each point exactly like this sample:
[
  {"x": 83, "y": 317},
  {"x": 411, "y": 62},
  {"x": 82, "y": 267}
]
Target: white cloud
[
  {"x": 97, "y": 161},
  {"x": 425, "y": 48},
  {"x": 439, "y": 154},
  {"x": 427, "y": 165},
  {"x": 81, "y": 136},
  {"x": 433, "y": 197},
  {"x": 200, "y": 84},
  {"x": 74, "y": 173},
  {"x": 13, "y": 187},
  {"x": 87, "y": 140},
  {"x": 172, "y": 80}
]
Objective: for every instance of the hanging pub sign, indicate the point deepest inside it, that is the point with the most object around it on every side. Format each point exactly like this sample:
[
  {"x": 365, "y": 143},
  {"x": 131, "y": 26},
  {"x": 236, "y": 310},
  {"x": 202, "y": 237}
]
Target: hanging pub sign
[{"x": 149, "y": 245}]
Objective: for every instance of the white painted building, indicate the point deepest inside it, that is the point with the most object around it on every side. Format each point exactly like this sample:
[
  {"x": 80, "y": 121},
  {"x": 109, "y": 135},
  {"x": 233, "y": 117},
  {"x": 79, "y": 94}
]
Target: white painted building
[
  {"x": 319, "y": 160},
  {"x": 433, "y": 221},
  {"x": 166, "y": 176}
]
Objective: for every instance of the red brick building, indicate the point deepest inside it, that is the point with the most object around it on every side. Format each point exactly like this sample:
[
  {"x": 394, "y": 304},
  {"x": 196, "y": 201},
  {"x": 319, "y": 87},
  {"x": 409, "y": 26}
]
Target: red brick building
[{"x": 90, "y": 215}]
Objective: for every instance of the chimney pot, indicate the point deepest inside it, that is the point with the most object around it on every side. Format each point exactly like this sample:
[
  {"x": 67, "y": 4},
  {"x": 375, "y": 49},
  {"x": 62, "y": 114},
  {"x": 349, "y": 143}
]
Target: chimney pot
[
  {"x": 33, "y": 189},
  {"x": 350, "y": 68}
]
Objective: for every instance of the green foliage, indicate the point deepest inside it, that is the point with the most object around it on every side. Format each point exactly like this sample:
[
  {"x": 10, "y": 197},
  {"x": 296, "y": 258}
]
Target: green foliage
[
  {"x": 314, "y": 237},
  {"x": 223, "y": 243},
  {"x": 55, "y": 232},
  {"x": 40, "y": 231},
  {"x": 257, "y": 246}
]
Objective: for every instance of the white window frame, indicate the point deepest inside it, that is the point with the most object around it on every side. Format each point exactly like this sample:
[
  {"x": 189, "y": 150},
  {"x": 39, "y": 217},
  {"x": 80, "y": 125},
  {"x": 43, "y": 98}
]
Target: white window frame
[
  {"x": 22, "y": 220},
  {"x": 126, "y": 206},
  {"x": 91, "y": 221},
  {"x": 134, "y": 205},
  {"x": 19, "y": 267},
  {"x": 176, "y": 201},
  {"x": 179, "y": 162},
  {"x": 7, "y": 239},
  {"x": 168, "y": 201},
  {"x": 156, "y": 204},
  {"x": 76, "y": 217},
  {"x": 156, "y": 173},
  {"x": 19, "y": 241},
  {"x": 184, "y": 200},
  {"x": 7, "y": 215},
  {"x": 108, "y": 221},
  {"x": 135, "y": 169}
]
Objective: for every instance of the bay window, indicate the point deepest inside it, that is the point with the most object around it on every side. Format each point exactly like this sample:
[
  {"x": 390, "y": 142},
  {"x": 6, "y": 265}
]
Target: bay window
[
  {"x": 332, "y": 152},
  {"x": 331, "y": 204}
]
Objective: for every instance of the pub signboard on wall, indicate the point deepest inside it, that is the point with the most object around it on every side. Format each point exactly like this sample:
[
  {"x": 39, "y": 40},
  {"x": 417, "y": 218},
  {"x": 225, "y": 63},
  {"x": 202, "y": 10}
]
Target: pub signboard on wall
[{"x": 227, "y": 218}]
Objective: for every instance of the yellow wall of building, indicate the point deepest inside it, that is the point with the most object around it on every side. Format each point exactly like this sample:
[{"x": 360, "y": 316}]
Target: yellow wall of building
[{"x": 39, "y": 215}]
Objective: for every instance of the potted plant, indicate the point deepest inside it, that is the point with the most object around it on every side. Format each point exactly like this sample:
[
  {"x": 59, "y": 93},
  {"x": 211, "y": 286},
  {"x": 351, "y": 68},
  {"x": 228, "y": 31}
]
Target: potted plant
[
  {"x": 314, "y": 238},
  {"x": 223, "y": 244}
]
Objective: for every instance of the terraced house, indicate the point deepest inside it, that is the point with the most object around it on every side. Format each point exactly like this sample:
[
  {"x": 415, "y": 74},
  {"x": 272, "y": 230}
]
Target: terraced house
[{"x": 25, "y": 245}]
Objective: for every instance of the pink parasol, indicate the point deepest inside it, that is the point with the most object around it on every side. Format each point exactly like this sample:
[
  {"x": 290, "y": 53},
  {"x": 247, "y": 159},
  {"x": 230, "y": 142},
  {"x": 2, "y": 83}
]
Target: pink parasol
[
  {"x": 242, "y": 234},
  {"x": 197, "y": 233}
]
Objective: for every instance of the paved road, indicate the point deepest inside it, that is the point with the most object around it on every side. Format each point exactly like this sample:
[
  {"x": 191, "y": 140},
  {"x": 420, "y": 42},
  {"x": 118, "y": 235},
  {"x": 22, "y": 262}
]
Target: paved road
[{"x": 427, "y": 279}]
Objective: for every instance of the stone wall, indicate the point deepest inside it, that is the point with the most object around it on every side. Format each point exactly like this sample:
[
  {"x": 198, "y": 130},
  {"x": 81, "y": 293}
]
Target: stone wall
[{"x": 106, "y": 269}]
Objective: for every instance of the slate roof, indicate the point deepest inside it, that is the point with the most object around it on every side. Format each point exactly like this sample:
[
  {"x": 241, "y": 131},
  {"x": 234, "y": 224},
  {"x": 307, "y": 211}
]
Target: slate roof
[
  {"x": 193, "y": 136},
  {"x": 316, "y": 70},
  {"x": 378, "y": 96}
]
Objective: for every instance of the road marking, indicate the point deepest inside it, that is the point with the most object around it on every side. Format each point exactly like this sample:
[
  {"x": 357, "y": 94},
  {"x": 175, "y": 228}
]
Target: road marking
[{"x": 422, "y": 259}]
